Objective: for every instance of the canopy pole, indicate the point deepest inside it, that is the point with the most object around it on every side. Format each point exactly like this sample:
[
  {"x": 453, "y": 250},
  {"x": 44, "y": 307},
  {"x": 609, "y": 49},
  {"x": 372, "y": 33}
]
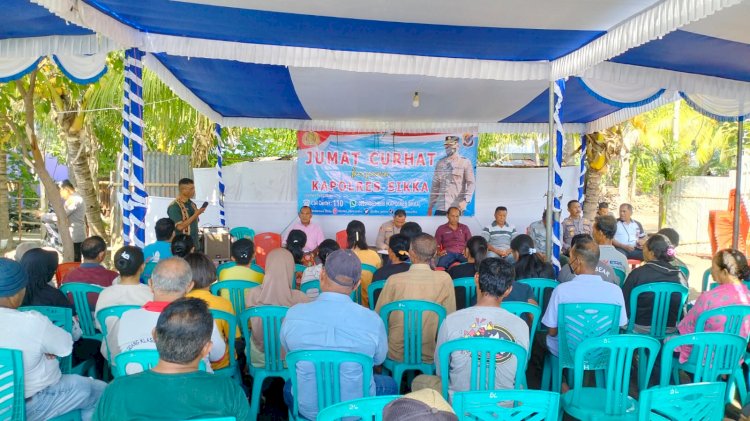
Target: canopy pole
[
  {"x": 550, "y": 172},
  {"x": 738, "y": 183}
]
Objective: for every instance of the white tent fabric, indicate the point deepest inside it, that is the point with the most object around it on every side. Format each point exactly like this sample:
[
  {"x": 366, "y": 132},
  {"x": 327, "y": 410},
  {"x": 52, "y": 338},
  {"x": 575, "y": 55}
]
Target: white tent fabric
[
  {"x": 721, "y": 109},
  {"x": 81, "y": 69}
]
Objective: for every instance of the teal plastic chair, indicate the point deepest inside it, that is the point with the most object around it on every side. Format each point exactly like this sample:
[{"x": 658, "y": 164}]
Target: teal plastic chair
[
  {"x": 271, "y": 318},
  {"x": 63, "y": 318},
  {"x": 713, "y": 356},
  {"x": 80, "y": 291},
  {"x": 12, "y": 403},
  {"x": 369, "y": 268},
  {"x": 520, "y": 308},
  {"x": 356, "y": 294},
  {"x": 233, "y": 369},
  {"x": 147, "y": 270},
  {"x": 373, "y": 291},
  {"x": 225, "y": 265},
  {"x": 689, "y": 402},
  {"x": 483, "y": 353},
  {"x": 540, "y": 286},
  {"x": 213, "y": 419},
  {"x": 685, "y": 272},
  {"x": 706, "y": 278},
  {"x": 512, "y": 405},
  {"x": 314, "y": 284},
  {"x": 577, "y": 323},
  {"x": 716, "y": 284},
  {"x": 236, "y": 292},
  {"x": 620, "y": 275},
  {"x": 106, "y": 313},
  {"x": 470, "y": 290},
  {"x": 614, "y": 354},
  {"x": 327, "y": 365},
  {"x": 413, "y": 313},
  {"x": 239, "y": 233},
  {"x": 365, "y": 409},
  {"x": 146, "y": 359},
  {"x": 662, "y": 293}
]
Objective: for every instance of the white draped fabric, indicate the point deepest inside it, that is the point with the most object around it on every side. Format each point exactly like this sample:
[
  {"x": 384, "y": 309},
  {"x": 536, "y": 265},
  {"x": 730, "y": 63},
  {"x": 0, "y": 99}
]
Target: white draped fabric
[{"x": 81, "y": 69}]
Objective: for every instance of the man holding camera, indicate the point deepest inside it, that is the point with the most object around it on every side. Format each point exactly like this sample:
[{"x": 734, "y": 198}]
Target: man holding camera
[{"x": 184, "y": 212}]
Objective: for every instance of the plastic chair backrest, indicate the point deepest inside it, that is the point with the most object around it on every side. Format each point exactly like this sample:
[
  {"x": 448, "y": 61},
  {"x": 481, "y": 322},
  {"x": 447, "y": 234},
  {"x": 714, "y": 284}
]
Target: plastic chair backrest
[
  {"x": 373, "y": 291},
  {"x": 614, "y": 353},
  {"x": 734, "y": 317},
  {"x": 314, "y": 284},
  {"x": 264, "y": 243},
  {"x": 662, "y": 293},
  {"x": 356, "y": 294},
  {"x": 412, "y": 311},
  {"x": 63, "y": 269},
  {"x": 231, "y": 321},
  {"x": 706, "y": 278},
  {"x": 716, "y": 284},
  {"x": 225, "y": 265},
  {"x": 342, "y": 240},
  {"x": 369, "y": 268},
  {"x": 12, "y": 403},
  {"x": 271, "y": 318},
  {"x": 469, "y": 284},
  {"x": 298, "y": 270},
  {"x": 519, "y": 308},
  {"x": 213, "y": 419},
  {"x": 63, "y": 318},
  {"x": 236, "y": 292},
  {"x": 715, "y": 354},
  {"x": 145, "y": 358},
  {"x": 521, "y": 405},
  {"x": 581, "y": 321},
  {"x": 685, "y": 272},
  {"x": 620, "y": 275},
  {"x": 327, "y": 365},
  {"x": 102, "y": 316},
  {"x": 365, "y": 408},
  {"x": 80, "y": 291},
  {"x": 687, "y": 402},
  {"x": 483, "y": 352},
  {"x": 540, "y": 286},
  {"x": 239, "y": 233},
  {"x": 148, "y": 270}
]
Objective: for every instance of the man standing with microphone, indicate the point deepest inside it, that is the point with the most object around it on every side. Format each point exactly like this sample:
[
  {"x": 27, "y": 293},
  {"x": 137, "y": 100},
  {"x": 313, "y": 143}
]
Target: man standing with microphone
[{"x": 185, "y": 213}]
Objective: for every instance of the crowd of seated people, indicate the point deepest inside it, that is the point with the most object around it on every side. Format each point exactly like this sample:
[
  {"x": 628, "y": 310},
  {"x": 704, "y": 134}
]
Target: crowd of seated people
[{"x": 173, "y": 303}]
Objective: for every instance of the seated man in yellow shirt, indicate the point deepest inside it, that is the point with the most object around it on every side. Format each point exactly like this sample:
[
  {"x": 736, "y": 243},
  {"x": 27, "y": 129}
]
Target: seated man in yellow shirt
[
  {"x": 243, "y": 251},
  {"x": 204, "y": 274}
]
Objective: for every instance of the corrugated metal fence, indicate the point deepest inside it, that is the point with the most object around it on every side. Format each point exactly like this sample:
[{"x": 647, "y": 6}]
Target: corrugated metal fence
[{"x": 162, "y": 172}]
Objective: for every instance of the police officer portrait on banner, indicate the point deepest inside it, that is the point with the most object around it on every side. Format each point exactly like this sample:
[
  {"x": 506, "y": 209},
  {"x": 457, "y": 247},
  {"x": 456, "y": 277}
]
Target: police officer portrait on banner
[{"x": 453, "y": 182}]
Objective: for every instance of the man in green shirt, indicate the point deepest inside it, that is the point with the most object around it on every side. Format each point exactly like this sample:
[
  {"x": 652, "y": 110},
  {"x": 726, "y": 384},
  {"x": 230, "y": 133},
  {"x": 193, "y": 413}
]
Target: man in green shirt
[
  {"x": 185, "y": 213},
  {"x": 175, "y": 389}
]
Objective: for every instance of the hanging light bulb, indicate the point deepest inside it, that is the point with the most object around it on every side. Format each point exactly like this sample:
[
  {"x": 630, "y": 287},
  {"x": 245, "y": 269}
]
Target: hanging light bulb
[{"x": 415, "y": 100}]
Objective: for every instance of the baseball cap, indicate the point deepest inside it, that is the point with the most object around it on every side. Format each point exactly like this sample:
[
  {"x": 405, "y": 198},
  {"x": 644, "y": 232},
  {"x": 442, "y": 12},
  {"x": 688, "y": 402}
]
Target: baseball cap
[
  {"x": 343, "y": 267},
  {"x": 424, "y": 404}
]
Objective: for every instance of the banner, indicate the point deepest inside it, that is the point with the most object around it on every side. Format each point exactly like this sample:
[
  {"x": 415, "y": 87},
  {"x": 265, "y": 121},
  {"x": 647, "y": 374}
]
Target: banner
[{"x": 377, "y": 173}]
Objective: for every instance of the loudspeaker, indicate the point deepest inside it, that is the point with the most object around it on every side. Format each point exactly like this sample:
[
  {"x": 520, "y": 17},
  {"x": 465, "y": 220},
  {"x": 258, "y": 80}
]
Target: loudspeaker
[{"x": 217, "y": 243}]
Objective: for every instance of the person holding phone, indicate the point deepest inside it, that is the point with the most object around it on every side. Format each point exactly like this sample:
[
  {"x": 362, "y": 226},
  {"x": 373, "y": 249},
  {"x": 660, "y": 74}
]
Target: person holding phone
[{"x": 184, "y": 212}]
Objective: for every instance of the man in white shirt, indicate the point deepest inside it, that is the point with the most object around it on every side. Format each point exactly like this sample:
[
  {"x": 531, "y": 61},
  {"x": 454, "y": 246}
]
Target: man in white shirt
[
  {"x": 586, "y": 287},
  {"x": 171, "y": 279},
  {"x": 630, "y": 237},
  {"x": 48, "y": 393},
  {"x": 605, "y": 228}
]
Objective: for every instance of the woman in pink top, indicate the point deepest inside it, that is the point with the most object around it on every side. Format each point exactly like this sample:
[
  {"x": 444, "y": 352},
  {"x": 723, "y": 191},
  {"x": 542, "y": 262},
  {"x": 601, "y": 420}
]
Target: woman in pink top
[{"x": 728, "y": 268}]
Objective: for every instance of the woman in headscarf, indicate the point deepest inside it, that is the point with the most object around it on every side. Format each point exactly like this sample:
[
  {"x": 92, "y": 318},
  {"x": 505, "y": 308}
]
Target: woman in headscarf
[{"x": 274, "y": 291}]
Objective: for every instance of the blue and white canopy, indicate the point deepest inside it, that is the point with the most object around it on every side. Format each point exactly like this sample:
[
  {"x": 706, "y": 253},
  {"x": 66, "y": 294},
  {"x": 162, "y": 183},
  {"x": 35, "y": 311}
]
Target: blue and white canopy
[
  {"x": 29, "y": 32},
  {"x": 355, "y": 65}
]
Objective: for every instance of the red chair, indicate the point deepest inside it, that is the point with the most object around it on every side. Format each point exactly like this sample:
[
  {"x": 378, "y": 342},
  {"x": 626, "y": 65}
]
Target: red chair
[
  {"x": 63, "y": 269},
  {"x": 264, "y": 243},
  {"x": 342, "y": 240}
]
